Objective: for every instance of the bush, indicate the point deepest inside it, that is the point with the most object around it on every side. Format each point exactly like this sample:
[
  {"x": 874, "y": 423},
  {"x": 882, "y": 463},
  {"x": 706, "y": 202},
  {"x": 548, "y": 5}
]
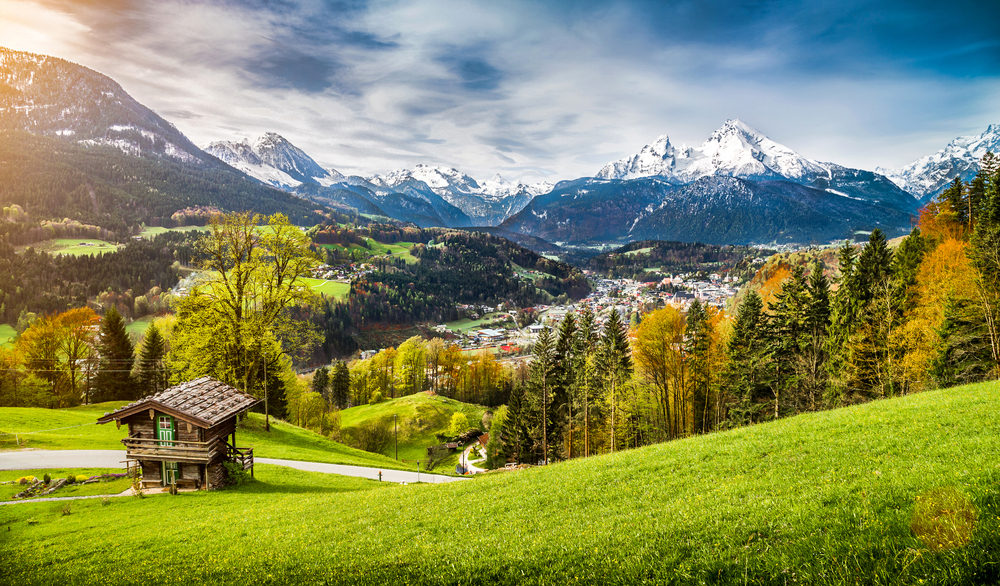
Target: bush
[
  {"x": 46, "y": 479},
  {"x": 70, "y": 479},
  {"x": 235, "y": 474},
  {"x": 82, "y": 478}
]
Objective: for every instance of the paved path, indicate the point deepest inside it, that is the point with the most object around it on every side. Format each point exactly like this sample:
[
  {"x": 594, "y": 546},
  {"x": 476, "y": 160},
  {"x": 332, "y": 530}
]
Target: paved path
[{"x": 37, "y": 459}]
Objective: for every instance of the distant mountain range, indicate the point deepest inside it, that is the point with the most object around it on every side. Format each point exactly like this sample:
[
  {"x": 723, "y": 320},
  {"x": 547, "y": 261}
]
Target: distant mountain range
[
  {"x": 739, "y": 186},
  {"x": 450, "y": 197},
  {"x": 928, "y": 176}
]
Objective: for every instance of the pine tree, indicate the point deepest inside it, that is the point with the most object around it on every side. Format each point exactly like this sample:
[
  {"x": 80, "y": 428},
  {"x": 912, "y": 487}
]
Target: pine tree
[
  {"x": 542, "y": 377},
  {"x": 697, "y": 348},
  {"x": 114, "y": 374},
  {"x": 152, "y": 375},
  {"x": 869, "y": 362},
  {"x": 340, "y": 385},
  {"x": 321, "y": 384},
  {"x": 564, "y": 384},
  {"x": 517, "y": 427},
  {"x": 955, "y": 197},
  {"x": 815, "y": 326},
  {"x": 614, "y": 365},
  {"x": 586, "y": 346},
  {"x": 746, "y": 372},
  {"x": 785, "y": 340}
]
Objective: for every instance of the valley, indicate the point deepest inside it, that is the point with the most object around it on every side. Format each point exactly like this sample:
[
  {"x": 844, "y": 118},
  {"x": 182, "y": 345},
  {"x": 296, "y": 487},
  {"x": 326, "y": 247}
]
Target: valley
[{"x": 719, "y": 364}]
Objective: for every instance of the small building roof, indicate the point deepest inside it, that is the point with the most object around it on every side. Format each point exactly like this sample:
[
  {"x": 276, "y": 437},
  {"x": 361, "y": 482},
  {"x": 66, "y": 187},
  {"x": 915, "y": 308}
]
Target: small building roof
[{"x": 203, "y": 401}]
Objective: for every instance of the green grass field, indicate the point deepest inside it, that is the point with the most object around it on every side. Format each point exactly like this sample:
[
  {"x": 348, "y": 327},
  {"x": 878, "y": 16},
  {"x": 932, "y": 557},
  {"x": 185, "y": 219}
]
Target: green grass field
[
  {"x": 153, "y": 231},
  {"x": 7, "y": 335},
  {"x": 419, "y": 418},
  {"x": 329, "y": 288},
  {"x": 73, "y": 246},
  {"x": 137, "y": 328},
  {"x": 75, "y": 429},
  {"x": 465, "y": 324},
  {"x": 840, "y": 497}
]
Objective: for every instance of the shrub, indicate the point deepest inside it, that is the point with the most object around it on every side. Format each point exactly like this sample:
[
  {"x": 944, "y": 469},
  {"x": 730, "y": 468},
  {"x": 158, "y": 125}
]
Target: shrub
[
  {"x": 70, "y": 479},
  {"x": 46, "y": 479},
  {"x": 235, "y": 474},
  {"x": 82, "y": 478}
]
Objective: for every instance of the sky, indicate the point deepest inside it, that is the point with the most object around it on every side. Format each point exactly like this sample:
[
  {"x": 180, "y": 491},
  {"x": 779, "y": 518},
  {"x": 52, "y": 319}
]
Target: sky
[{"x": 539, "y": 90}]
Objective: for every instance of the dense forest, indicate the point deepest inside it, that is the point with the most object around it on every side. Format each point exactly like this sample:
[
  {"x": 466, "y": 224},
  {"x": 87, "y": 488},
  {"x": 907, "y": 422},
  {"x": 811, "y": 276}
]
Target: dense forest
[
  {"x": 51, "y": 179},
  {"x": 649, "y": 260},
  {"x": 40, "y": 283},
  {"x": 463, "y": 268}
]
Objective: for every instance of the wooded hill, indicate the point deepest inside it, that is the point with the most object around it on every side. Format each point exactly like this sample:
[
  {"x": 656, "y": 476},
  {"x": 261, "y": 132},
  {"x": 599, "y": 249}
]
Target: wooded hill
[{"x": 646, "y": 258}]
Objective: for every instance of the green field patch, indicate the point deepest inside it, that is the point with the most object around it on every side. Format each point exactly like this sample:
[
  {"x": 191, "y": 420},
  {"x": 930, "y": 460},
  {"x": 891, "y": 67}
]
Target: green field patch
[
  {"x": 59, "y": 429},
  {"x": 7, "y": 335},
  {"x": 151, "y": 232},
  {"x": 73, "y": 246},
  {"x": 334, "y": 289},
  {"x": 104, "y": 486},
  {"x": 465, "y": 324},
  {"x": 639, "y": 251},
  {"x": 419, "y": 418},
  {"x": 137, "y": 328},
  {"x": 835, "y": 497}
]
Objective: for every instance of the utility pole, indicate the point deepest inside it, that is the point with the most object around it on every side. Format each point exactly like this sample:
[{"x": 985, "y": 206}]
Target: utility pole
[{"x": 395, "y": 433}]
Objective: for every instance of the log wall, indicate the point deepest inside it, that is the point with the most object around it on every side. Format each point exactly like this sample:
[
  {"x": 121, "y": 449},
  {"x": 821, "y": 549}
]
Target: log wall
[{"x": 216, "y": 475}]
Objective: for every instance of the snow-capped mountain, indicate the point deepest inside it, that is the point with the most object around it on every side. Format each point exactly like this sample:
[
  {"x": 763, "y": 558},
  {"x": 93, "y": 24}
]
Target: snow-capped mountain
[
  {"x": 739, "y": 150},
  {"x": 487, "y": 204},
  {"x": 928, "y": 176},
  {"x": 735, "y": 150},
  {"x": 52, "y": 97},
  {"x": 273, "y": 160}
]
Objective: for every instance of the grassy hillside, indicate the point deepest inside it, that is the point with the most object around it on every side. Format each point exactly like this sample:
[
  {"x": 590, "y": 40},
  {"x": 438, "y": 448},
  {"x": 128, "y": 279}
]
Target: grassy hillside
[
  {"x": 75, "y": 429},
  {"x": 7, "y": 334},
  {"x": 420, "y": 417},
  {"x": 825, "y": 498}
]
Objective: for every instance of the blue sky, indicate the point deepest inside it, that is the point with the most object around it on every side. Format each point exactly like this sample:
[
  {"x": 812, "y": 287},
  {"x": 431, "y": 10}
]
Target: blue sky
[{"x": 539, "y": 90}]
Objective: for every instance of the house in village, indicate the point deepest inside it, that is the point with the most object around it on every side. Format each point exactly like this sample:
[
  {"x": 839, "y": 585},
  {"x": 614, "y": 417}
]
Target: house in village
[{"x": 184, "y": 434}]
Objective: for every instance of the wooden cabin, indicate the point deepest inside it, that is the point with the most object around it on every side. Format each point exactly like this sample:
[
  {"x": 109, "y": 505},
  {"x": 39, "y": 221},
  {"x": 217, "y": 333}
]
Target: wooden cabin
[{"x": 184, "y": 434}]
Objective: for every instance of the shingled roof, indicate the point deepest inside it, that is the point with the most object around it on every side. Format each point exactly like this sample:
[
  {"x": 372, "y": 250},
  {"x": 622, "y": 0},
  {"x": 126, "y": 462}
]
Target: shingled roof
[{"x": 204, "y": 401}]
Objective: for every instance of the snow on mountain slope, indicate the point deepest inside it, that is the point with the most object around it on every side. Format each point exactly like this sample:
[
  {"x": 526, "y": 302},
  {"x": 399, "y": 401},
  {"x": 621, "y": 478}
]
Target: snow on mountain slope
[
  {"x": 928, "y": 176},
  {"x": 736, "y": 149},
  {"x": 272, "y": 159},
  {"x": 739, "y": 150},
  {"x": 486, "y": 204},
  {"x": 49, "y": 96}
]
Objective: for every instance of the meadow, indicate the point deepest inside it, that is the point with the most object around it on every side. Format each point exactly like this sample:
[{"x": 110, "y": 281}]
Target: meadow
[
  {"x": 900, "y": 491},
  {"x": 7, "y": 335},
  {"x": 153, "y": 231},
  {"x": 419, "y": 417},
  {"x": 73, "y": 246},
  {"x": 329, "y": 288}
]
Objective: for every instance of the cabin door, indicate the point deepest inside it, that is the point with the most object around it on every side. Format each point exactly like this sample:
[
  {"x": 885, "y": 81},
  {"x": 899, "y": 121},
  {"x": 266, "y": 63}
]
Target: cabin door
[{"x": 166, "y": 432}]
